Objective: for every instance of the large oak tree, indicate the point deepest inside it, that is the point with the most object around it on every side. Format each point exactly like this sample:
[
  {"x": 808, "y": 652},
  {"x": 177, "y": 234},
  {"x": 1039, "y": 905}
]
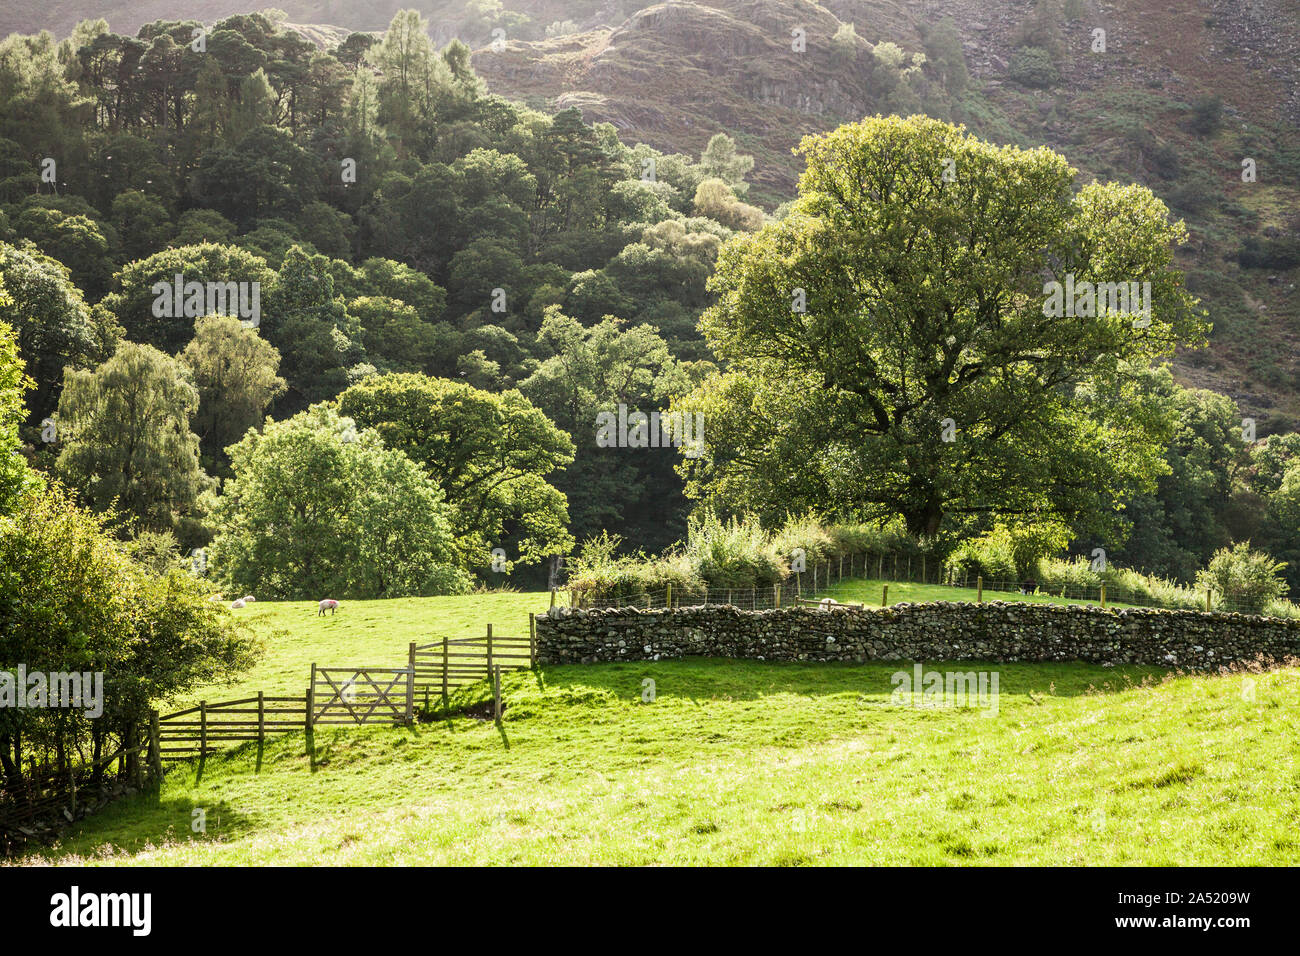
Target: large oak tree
[{"x": 907, "y": 287}]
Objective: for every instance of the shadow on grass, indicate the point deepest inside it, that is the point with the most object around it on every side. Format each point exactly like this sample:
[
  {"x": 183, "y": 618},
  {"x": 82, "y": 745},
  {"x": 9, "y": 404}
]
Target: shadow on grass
[{"x": 703, "y": 679}]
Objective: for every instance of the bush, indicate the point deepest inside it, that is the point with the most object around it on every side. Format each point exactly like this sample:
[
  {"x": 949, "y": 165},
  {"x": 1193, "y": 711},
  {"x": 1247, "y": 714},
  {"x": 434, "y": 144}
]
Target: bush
[
  {"x": 733, "y": 554},
  {"x": 1009, "y": 553},
  {"x": 990, "y": 557},
  {"x": 602, "y": 577},
  {"x": 1246, "y": 580},
  {"x": 808, "y": 534},
  {"x": 1033, "y": 67}
]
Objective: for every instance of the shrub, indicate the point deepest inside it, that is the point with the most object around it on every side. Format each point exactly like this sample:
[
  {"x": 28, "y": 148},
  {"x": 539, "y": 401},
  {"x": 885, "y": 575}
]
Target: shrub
[
  {"x": 603, "y": 577},
  {"x": 1246, "y": 580},
  {"x": 989, "y": 556},
  {"x": 1033, "y": 67},
  {"x": 732, "y": 554},
  {"x": 809, "y": 534}
]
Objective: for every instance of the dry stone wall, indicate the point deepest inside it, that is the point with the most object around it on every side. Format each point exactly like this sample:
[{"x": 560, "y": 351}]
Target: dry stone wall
[{"x": 995, "y": 631}]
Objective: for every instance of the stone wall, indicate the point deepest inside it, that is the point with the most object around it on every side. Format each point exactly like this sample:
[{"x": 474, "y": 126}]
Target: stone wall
[{"x": 995, "y": 631}]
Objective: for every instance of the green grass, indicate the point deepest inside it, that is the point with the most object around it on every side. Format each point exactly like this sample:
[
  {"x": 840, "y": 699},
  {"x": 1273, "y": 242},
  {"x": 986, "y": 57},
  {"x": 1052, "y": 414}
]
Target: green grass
[
  {"x": 745, "y": 762},
  {"x": 372, "y": 633},
  {"x": 870, "y": 592},
  {"x": 735, "y": 762}
]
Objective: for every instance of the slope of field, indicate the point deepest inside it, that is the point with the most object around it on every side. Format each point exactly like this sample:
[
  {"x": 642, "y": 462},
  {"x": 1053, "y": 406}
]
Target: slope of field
[
  {"x": 745, "y": 762},
  {"x": 372, "y": 633}
]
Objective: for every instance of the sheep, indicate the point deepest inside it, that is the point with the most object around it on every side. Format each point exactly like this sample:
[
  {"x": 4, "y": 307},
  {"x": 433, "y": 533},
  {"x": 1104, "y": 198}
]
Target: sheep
[
  {"x": 826, "y": 603},
  {"x": 237, "y": 605},
  {"x": 327, "y": 603},
  {"x": 249, "y": 599},
  {"x": 216, "y": 597}
]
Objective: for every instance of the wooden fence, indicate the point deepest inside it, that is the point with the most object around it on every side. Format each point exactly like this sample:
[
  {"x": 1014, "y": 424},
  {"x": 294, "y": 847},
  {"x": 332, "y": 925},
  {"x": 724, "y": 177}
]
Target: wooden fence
[
  {"x": 46, "y": 793},
  {"x": 334, "y": 696},
  {"x": 361, "y": 695},
  {"x": 441, "y": 666},
  {"x": 199, "y": 731}
]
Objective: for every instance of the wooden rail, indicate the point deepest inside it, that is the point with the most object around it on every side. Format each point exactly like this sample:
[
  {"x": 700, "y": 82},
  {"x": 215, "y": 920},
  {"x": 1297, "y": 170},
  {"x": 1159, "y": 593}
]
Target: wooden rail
[{"x": 199, "y": 731}]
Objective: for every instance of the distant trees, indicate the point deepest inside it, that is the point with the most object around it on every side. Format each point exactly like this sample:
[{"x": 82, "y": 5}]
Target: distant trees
[
  {"x": 124, "y": 431},
  {"x": 14, "y": 476},
  {"x": 234, "y": 371},
  {"x": 489, "y": 454},
  {"x": 55, "y": 328}
]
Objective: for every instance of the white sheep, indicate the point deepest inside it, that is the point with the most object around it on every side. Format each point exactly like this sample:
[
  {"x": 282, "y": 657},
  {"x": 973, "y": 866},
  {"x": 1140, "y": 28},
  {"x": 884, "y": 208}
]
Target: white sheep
[
  {"x": 249, "y": 599},
  {"x": 327, "y": 603},
  {"x": 237, "y": 605},
  {"x": 826, "y": 603}
]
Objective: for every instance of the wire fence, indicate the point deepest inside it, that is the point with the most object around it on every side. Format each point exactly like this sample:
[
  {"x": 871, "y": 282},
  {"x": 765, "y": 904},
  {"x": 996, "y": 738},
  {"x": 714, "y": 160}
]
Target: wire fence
[{"x": 881, "y": 580}]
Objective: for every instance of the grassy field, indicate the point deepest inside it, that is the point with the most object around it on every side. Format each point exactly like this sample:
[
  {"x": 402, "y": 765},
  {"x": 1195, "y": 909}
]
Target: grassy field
[
  {"x": 373, "y": 633},
  {"x": 750, "y": 762},
  {"x": 735, "y": 762}
]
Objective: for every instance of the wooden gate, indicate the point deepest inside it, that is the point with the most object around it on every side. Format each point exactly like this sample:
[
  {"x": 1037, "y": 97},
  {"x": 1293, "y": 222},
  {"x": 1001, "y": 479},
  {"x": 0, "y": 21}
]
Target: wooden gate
[
  {"x": 442, "y": 666},
  {"x": 361, "y": 695}
]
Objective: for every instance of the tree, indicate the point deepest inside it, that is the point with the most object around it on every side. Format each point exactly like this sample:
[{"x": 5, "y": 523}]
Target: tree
[
  {"x": 14, "y": 477},
  {"x": 125, "y": 435},
  {"x": 234, "y": 370},
  {"x": 146, "y": 291},
  {"x": 589, "y": 371},
  {"x": 76, "y": 241},
  {"x": 141, "y": 222},
  {"x": 720, "y": 159},
  {"x": 308, "y": 322},
  {"x": 490, "y": 454},
  {"x": 924, "y": 318},
  {"x": 72, "y": 601},
  {"x": 54, "y": 327},
  {"x": 318, "y": 507}
]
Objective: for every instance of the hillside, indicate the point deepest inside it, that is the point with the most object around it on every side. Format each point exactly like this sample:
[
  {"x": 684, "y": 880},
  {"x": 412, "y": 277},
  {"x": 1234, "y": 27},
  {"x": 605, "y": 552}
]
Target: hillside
[{"x": 673, "y": 74}]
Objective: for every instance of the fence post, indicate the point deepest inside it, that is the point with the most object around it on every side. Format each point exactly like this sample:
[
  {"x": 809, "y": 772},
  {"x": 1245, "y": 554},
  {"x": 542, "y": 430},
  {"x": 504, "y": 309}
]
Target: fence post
[
  {"x": 203, "y": 729},
  {"x": 552, "y": 597},
  {"x": 729, "y": 601},
  {"x": 496, "y": 693},
  {"x": 1208, "y": 592},
  {"x": 776, "y": 595},
  {"x": 261, "y": 717},
  {"x": 1103, "y": 593},
  {"x": 922, "y": 568},
  {"x": 979, "y": 589},
  {"x": 444, "y": 671},
  {"x": 668, "y": 600},
  {"x": 884, "y": 597},
  {"x": 310, "y": 700},
  {"x": 532, "y": 639},
  {"x": 155, "y": 745},
  {"x": 410, "y": 684},
  {"x": 489, "y": 652},
  {"x": 842, "y": 567}
]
